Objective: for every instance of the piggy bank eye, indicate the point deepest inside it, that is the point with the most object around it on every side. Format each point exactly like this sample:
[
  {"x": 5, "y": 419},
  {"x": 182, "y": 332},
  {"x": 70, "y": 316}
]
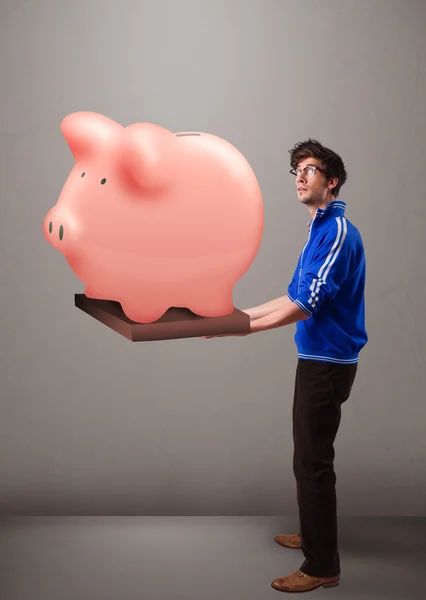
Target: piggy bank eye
[
  {"x": 103, "y": 181},
  {"x": 83, "y": 174}
]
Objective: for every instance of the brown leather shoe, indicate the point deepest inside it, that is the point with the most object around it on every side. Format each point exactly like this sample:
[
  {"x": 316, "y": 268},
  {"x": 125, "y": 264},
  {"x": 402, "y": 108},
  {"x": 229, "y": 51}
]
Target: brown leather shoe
[
  {"x": 300, "y": 582},
  {"x": 289, "y": 541}
]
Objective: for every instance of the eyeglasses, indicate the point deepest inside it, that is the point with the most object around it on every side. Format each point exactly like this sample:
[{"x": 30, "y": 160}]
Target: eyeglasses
[{"x": 309, "y": 171}]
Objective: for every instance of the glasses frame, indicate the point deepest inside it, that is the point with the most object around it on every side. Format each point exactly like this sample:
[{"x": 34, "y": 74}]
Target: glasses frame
[{"x": 293, "y": 171}]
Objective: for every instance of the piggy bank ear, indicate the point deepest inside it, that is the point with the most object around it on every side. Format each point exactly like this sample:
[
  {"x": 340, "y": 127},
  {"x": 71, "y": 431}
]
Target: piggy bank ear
[
  {"x": 87, "y": 131},
  {"x": 146, "y": 156}
]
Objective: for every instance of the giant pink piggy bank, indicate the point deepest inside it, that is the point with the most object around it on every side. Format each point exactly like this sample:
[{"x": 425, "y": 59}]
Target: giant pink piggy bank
[{"x": 154, "y": 219}]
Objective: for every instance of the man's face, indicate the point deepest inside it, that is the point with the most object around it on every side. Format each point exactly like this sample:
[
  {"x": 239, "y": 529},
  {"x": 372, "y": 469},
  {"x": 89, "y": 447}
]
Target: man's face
[{"x": 312, "y": 189}]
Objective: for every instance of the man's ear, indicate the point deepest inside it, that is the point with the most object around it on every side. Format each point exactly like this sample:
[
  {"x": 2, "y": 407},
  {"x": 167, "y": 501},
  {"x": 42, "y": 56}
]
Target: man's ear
[{"x": 333, "y": 182}]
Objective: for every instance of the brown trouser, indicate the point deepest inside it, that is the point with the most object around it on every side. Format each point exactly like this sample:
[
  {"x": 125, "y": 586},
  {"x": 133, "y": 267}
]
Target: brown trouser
[{"x": 320, "y": 390}]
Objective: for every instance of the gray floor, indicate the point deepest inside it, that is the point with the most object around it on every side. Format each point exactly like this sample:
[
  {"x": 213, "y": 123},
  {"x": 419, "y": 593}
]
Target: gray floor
[{"x": 203, "y": 558}]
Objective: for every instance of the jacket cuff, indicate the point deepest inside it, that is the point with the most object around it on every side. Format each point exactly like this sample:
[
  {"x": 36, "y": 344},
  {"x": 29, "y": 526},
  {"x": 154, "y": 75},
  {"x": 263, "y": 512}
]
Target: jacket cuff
[{"x": 302, "y": 304}]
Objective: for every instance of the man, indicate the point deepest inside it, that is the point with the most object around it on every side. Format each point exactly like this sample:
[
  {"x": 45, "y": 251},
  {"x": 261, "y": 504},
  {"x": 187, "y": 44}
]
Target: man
[{"x": 325, "y": 299}]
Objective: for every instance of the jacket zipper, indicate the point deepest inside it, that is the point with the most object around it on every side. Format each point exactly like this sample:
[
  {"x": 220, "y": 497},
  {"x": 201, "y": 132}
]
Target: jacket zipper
[{"x": 301, "y": 259}]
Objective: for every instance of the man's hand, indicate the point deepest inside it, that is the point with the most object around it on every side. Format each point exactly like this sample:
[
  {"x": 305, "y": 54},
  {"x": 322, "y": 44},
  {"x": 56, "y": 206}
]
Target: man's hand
[
  {"x": 276, "y": 313},
  {"x": 247, "y": 312},
  {"x": 207, "y": 337}
]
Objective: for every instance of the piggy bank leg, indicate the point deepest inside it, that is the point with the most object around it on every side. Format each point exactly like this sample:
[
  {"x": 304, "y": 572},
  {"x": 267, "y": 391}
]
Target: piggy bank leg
[
  {"x": 96, "y": 293},
  {"x": 143, "y": 312},
  {"x": 210, "y": 301}
]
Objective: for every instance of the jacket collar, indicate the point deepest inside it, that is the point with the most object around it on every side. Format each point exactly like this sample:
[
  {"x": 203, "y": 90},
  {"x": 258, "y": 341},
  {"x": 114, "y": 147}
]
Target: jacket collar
[{"x": 336, "y": 206}]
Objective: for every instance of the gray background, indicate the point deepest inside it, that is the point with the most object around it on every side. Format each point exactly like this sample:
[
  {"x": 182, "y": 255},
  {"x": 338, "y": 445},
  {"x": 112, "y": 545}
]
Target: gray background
[{"x": 93, "y": 424}]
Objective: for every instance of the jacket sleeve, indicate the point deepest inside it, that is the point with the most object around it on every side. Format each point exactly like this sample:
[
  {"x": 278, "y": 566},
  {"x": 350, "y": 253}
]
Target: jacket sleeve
[{"x": 326, "y": 271}]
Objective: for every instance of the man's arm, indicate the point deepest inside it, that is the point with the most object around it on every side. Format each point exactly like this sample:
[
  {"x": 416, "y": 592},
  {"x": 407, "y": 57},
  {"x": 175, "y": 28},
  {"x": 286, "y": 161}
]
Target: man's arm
[
  {"x": 275, "y": 313},
  {"x": 289, "y": 313},
  {"x": 265, "y": 309}
]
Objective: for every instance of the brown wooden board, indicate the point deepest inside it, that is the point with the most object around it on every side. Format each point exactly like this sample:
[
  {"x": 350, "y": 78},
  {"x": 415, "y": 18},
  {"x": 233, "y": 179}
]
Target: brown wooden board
[{"x": 175, "y": 323}]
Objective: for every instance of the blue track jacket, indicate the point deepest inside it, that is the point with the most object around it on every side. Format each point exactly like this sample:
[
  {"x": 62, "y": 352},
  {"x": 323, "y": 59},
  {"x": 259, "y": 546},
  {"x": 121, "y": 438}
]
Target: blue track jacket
[{"x": 328, "y": 285}]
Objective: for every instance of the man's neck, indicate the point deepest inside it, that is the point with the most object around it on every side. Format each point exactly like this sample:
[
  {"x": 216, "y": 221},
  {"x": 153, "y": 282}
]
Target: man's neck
[{"x": 313, "y": 207}]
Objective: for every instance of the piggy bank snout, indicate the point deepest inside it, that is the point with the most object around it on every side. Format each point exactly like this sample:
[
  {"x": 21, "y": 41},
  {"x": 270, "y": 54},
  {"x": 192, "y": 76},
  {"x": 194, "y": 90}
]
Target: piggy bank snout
[
  {"x": 56, "y": 229},
  {"x": 60, "y": 230}
]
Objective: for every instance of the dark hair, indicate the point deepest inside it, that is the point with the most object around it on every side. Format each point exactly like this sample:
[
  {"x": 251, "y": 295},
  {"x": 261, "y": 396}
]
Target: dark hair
[{"x": 330, "y": 161}]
